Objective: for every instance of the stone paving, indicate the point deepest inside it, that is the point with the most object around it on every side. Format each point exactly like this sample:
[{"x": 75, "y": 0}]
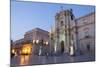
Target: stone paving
[{"x": 40, "y": 60}]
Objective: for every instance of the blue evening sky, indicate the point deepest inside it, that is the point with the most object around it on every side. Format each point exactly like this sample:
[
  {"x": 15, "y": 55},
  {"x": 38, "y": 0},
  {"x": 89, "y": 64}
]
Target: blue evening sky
[{"x": 28, "y": 15}]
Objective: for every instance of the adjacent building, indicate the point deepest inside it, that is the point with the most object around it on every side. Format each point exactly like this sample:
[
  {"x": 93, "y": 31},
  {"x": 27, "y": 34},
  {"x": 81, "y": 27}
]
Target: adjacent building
[
  {"x": 36, "y": 35},
  {"x": 86, "y": 33},
  {"x": 34, "y": 42},
  {"x": 39, "y": 38}
]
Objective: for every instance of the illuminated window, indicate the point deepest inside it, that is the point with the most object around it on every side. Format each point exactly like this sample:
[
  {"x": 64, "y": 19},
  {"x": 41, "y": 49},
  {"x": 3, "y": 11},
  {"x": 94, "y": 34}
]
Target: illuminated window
[{"x": 26, "y": 49}]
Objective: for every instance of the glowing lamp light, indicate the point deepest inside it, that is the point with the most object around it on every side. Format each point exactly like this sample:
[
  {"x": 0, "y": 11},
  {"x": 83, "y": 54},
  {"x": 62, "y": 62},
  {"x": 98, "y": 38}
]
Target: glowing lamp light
[
  {"x": 71, "y": 50},
  {"x": 46, "y": 43},
  {"x": 33, "y": 41},
  {"x": 13, "y": 51},
  {"x": 55, "y": 48},
  {"x": 15, "y": 54},
  {"x": 24, "y": 50},
  {"x": 37, "y": 41}
]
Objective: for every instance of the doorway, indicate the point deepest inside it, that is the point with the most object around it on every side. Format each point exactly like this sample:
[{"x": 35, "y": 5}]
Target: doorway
[
  {"x": 88, "y": 47},
  {"x": 62, "y": 46}
]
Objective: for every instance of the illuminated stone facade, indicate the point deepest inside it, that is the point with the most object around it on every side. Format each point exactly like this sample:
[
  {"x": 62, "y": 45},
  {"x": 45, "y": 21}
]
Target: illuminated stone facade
[
  {"x": 37, "y": 38},
  {"x": 63, "y": 35},
  {"x": 36, "y": 34}
]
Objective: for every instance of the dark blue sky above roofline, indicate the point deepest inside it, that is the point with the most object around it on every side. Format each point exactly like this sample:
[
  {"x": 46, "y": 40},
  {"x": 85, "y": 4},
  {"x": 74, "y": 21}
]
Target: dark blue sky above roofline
[{"x": 29, "y": 15}]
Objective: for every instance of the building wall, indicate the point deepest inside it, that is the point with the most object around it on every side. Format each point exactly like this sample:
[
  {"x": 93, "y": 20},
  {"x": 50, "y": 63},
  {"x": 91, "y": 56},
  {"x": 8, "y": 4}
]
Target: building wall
[
  {"x": 37, "y": 34},
  {"x": 86, "y": 23},
  {"x": 86, "y": 33}
]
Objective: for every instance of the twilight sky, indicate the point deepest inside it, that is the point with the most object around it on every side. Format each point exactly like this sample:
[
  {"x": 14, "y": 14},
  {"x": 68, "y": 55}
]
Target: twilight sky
[{"x": 28, "y": 15}]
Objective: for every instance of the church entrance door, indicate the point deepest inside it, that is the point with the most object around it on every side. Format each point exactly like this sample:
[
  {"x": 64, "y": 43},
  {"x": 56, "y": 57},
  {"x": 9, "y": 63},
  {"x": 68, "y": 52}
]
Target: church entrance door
[{"x": 62, "y": 46}]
